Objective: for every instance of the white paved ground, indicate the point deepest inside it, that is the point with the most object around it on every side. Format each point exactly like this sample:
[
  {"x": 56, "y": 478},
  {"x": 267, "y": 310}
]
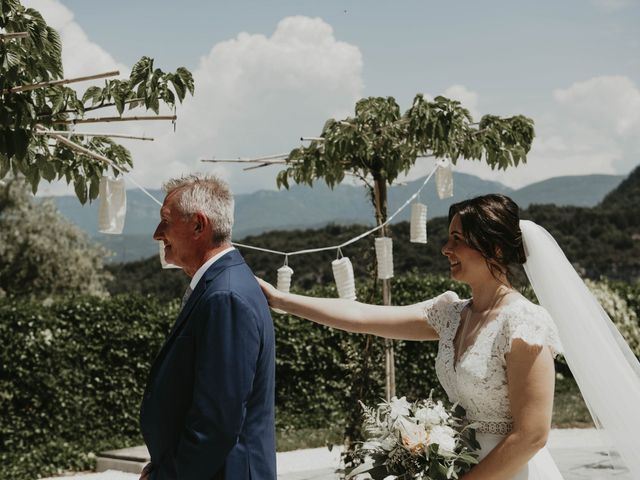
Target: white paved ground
[{"x": 579, "y": 454}]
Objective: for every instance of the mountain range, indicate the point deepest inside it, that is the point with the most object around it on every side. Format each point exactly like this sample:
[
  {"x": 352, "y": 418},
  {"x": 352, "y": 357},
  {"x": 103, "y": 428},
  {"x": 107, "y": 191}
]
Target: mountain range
[{"x": 305, "y": 207}]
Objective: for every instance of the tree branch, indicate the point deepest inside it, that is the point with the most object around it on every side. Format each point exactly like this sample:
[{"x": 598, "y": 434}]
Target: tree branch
[{"x": 89, "y": 109}]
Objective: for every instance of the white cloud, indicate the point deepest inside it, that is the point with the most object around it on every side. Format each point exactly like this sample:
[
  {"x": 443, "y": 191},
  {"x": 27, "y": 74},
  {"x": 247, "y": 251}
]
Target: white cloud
[
  {"x": 593, "y": 126},
  {"x": 468, "y": 98},
  {"x": 257, "y": 95},
  {"x": 254, "y": 95},
  {"x": 609, "y": 104},
  {"x": 80, "y": 56}
]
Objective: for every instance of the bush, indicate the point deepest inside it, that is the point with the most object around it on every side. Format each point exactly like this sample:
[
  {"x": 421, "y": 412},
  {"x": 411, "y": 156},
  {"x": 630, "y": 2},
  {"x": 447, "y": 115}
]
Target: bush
[
  {"x": 72, "y": 373},
  {"x": 71, "y": 378}
]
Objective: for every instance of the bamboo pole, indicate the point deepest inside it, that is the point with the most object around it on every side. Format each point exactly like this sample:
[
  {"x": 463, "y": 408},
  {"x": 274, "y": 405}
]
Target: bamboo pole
[
  {"x": 248, "y": 159},
  {"x": 87, "y": 134},
  {"x": 26, "y": 88},
  {"x": 9, "y": 36},
  {"x": 82, "y": 149},
  {"x": 311, "y": 139},
  {"x": 113, "y": 119}
]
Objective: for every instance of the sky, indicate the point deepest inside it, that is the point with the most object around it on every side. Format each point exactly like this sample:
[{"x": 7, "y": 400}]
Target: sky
[{"x": 267, "y": 73}]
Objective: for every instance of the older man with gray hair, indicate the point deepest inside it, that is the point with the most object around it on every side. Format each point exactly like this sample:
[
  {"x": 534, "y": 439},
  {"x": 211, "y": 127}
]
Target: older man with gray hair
[{"x": 208, "y": 408}]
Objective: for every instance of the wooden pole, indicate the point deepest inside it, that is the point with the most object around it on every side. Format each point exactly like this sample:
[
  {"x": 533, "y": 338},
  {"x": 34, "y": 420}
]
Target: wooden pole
[
  {"x": 9, "y": 36},
  {"x": 86, "y": 134},
  {"x": 26, "y": 88},
  {"x": 380, "y": 199},
  {"x": 113, "y": 119}
]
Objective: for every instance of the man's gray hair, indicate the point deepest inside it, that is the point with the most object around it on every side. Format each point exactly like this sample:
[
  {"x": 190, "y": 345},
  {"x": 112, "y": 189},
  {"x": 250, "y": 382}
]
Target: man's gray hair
[{"x": 209, "y": 195}]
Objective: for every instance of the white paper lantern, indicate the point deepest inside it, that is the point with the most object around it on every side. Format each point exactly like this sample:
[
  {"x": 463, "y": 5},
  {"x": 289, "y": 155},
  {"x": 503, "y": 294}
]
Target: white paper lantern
[
  {"x": 444, "y": 181},
  {"x": 113, "y": 205},
  {"x": 284, "y": 278},
  {"x": 163, "y": 261},
  {"x": 384, "y": 255},
  {"x": 284, "y": 282},
  {"x": 418, "y": 223},
  {"x": 343, "y": 275}
]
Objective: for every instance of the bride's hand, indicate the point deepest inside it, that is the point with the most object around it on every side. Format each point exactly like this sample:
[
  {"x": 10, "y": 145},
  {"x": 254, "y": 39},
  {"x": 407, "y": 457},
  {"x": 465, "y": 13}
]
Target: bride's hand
[{"x": 272, "y": 293}]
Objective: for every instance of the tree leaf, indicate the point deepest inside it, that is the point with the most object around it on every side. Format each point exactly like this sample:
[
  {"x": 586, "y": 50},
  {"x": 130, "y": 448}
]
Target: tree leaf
[{"x": 80, "y": 187}]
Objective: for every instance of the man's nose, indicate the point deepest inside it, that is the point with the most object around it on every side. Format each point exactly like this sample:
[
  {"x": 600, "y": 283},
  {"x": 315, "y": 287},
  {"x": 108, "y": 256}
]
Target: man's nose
[
  {"x": 445, "y": 250},
  {"x": 158, "y": 234}
]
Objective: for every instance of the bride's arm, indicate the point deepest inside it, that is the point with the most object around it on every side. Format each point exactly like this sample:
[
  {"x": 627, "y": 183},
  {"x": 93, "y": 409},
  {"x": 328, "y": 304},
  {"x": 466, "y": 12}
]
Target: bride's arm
[
  {"x": 531, "y": 378},
  {"x": 402, "y": 323}
]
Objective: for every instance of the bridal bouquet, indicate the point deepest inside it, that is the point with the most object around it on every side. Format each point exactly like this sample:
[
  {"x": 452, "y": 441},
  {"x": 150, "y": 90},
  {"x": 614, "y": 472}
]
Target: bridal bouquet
[{"x": 421, "y": 440}]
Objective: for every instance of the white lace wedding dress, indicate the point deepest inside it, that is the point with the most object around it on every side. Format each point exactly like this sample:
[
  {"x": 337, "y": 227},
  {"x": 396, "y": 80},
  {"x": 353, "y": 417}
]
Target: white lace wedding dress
[{"x": 478, "y": 382}]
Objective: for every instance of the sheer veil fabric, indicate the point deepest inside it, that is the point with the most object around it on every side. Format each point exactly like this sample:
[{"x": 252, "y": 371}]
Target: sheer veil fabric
[{"x": 605, "y": 368}]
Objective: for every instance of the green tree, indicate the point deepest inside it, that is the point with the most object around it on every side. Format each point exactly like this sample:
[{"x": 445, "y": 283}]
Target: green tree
[
  {"x": 379, "y": 143},
  {"x": 34, "y": 59},
  {"x": 41, "y": 254}
]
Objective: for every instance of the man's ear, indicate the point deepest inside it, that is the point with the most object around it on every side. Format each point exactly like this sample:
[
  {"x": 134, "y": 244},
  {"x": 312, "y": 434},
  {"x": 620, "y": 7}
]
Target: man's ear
[{"x": 200, "y": 223}]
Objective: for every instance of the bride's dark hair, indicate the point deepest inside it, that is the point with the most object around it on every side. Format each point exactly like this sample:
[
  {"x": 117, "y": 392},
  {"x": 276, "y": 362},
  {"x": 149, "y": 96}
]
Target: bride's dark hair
[{"x": 491, "y": 225}]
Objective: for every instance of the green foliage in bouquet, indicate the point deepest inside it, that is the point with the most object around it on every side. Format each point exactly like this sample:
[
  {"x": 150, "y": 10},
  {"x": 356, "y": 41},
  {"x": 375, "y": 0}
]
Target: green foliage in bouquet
[{"x": 423, "y": 440}]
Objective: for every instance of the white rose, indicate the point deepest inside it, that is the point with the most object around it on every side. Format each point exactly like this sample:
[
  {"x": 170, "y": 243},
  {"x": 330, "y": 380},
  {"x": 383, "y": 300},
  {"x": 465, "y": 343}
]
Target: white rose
[
  {"x": 414, "y": 436},
  {"x": 441, "y": 411},
  {"x": 428, "y": 416},
  {"x": 445, "y": 438},
  {"x": 399, "y": 406}
]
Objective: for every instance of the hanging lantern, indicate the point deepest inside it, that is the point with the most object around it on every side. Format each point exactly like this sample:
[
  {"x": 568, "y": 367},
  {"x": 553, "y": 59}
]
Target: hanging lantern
[
  {"x": 343, "y": 275},
  {"x": 418, "y": 223},
  {"x": 284, "y": 278},
  {"x": 113, "y": 205},
  {"x": 384, "y": 255},
  {"x": 284, "y": 281},
  {"x": 163, "y": 262},
  {"x": 444, "y": 180}
]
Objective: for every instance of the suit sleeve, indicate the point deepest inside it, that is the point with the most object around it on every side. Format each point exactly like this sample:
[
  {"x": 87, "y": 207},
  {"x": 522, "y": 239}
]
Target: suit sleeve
[{"x": 227, "y": 346}]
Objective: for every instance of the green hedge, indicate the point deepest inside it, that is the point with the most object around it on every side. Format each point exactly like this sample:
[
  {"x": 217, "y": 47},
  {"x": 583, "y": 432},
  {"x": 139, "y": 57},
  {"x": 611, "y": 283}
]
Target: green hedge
[
  {"x": 71, "y": 379},
  {"x": 72, "y": 373}
]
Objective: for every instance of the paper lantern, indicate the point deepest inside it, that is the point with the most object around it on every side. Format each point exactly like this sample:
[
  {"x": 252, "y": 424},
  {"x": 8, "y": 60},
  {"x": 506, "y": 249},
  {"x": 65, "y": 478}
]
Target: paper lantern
[
  {"x": 444, "y": 181},
  {"x": 418, "y": 223},
  {"x": 343, "y": 275},
  {"x": 113, "y": 205},
  {"x": 384, "y": 256},
  {"x": 284, "y": 278},
  {"x": 284, "y": 282}
]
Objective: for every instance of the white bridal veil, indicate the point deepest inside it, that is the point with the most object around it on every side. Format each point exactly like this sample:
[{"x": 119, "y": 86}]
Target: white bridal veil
[{"x": 605, "y": 368}]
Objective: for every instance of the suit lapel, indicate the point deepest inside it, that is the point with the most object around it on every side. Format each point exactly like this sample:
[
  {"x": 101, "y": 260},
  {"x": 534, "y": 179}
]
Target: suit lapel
[{"x": 227, "y": 260}]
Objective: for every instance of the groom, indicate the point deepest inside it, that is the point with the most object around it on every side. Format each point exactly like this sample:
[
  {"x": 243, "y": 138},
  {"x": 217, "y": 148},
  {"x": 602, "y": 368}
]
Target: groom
[{"x": 208, "y": 408}]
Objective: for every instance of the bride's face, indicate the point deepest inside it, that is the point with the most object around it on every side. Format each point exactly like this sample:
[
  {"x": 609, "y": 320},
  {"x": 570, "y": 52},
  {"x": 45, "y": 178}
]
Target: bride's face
[{"x": 466, "y": 263}]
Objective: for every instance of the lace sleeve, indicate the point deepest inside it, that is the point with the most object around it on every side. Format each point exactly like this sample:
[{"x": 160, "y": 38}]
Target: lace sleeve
[
  {"x": 534, "y": 325},
  {"x": 437, "y": 311}
]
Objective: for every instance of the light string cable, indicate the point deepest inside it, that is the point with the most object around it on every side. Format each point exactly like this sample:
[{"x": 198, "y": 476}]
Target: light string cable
[
  {"x": 102, "y": 158},
  {"x": 75, "y": 146},
  {"x": 439, "y": 164}
]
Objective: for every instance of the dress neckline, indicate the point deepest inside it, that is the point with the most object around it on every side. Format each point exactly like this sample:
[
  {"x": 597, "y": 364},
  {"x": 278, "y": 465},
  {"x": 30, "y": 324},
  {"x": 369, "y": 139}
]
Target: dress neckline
[{"x": 458, "y": 320}]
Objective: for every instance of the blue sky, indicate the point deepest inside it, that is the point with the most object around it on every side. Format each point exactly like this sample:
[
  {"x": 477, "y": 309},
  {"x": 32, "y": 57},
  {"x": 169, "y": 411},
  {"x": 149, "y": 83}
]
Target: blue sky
[{"x": 269, "y": 72}]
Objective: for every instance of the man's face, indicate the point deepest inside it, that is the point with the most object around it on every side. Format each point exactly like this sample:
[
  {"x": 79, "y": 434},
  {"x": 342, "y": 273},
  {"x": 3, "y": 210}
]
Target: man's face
[{"x": 176, "y": 232}]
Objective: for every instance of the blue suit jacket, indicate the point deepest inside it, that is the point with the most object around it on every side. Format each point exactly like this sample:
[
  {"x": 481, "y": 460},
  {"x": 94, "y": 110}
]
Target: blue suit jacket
[{"x": 208, "y": 408}]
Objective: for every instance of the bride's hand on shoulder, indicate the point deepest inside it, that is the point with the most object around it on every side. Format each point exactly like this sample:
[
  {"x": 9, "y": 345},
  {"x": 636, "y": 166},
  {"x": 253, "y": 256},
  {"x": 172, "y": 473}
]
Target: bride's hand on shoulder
[{"x": 272, "y": 294}]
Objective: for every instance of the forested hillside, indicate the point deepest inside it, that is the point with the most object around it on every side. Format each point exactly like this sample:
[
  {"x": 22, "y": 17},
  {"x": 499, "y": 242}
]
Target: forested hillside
[{"x": 600, "y": 241}]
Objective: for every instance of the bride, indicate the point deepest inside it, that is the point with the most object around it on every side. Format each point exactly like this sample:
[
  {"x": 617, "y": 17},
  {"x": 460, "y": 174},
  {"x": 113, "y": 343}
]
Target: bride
[{"x": 496, "y": 349}]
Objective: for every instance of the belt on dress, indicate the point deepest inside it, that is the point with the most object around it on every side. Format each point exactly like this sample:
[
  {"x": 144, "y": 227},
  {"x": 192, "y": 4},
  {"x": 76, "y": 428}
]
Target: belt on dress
[{"x": 492, "y": 427}]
